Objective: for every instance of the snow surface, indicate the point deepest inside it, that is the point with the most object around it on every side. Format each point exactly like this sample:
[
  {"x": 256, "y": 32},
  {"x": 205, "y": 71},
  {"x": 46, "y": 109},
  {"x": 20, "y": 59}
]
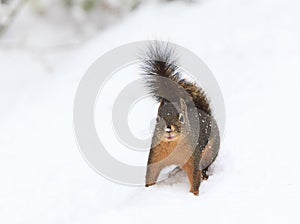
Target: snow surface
[{"x": 253, "y": 49}]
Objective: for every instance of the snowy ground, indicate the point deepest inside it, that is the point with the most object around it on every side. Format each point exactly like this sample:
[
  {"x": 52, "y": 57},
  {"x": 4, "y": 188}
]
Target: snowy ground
[{"x": 253, "y": 49}]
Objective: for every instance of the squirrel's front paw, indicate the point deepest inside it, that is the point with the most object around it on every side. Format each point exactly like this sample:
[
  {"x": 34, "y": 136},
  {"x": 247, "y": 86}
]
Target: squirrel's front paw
[
  {"x": 195, "y": 192},
  {"x": 148, "y": 185}
]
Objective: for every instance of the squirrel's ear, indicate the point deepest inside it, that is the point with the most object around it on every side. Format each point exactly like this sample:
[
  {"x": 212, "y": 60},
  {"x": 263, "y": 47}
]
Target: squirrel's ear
[{"x": 183, "y": 105}]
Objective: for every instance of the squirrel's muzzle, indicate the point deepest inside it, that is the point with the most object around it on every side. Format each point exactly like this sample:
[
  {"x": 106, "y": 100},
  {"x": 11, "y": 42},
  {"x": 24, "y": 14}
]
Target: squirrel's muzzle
[{"x": 168, "y": 129}]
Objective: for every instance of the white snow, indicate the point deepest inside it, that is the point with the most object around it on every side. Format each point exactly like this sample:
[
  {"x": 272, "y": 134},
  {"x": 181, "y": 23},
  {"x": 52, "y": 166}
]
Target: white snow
[{"x": 253, "y": 49}]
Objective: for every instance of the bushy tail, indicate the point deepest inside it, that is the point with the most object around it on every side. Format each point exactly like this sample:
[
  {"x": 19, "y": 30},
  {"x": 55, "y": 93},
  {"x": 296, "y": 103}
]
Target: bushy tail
[
  {"x": 159, "y": 62},
  {"x": 159, "y": 66}
]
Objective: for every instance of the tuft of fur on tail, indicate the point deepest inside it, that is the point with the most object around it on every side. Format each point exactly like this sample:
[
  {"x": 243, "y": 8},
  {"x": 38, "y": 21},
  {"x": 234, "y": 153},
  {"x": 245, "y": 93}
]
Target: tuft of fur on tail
[
  {"x": 159, "y": 66},
  {"x": 159, "y": 62}
]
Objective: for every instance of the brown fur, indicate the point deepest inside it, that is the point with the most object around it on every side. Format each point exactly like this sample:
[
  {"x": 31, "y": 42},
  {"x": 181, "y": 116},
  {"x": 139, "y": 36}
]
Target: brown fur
[{"x": 163, "y": 155}]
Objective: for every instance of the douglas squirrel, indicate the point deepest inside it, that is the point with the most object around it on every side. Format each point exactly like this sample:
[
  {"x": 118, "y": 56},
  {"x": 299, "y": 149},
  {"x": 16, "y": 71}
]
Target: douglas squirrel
[{"x": 186, "y": 133}]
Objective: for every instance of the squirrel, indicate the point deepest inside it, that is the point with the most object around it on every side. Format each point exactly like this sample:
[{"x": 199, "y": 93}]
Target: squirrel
[{"x": 191, "y": 141}]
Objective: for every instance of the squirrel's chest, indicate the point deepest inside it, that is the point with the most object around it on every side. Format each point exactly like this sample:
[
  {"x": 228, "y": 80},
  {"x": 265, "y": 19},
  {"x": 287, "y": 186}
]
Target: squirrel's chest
[
  {"x": 173, "y": 153},
  {"x": 166, "y": 148}
]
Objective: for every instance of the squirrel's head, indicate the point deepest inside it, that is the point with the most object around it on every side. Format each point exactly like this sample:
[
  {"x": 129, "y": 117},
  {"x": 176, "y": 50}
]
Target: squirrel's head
[{"x": 171, "y": 123}]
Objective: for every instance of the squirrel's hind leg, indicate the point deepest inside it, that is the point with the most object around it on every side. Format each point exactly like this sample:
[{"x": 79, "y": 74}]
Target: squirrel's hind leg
[
  {"x": 174, "y": 171},
  {"x": 204, "y": 175}
]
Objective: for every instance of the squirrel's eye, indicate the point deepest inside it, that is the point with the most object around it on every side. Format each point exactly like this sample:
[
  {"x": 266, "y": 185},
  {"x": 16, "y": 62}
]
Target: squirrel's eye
[{"x": 181, "y": 118}]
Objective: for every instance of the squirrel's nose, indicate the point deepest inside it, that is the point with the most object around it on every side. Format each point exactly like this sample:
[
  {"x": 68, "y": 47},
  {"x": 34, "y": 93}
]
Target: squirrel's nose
[{"x": 168, "y": 129}]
